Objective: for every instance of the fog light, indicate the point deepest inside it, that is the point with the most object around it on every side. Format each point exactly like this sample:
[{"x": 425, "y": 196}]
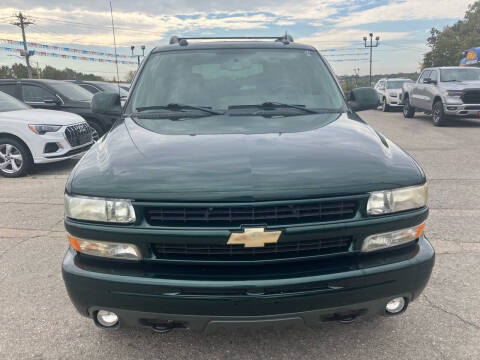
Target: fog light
[
  {"x": 107, "y": 318},
  {"x": 396, "y": 305}
]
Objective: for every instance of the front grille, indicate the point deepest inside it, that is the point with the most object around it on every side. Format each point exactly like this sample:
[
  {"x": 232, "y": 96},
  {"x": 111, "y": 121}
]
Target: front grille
[
  {"x": 284, "y": 214},
  {"x": 224, "y": 252},
  {"x": 79, "y": 134},
  {"x": 471, "y": 96}
]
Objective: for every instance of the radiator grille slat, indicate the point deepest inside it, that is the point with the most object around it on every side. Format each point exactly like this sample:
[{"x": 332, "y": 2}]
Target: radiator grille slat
[
  {"x": 241, "y": 215},
  {"x": 226, "y": 252}
]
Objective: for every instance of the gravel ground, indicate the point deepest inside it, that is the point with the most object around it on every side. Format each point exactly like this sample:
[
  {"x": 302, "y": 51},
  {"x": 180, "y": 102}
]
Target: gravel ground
[{"x": 38, "y": 321}]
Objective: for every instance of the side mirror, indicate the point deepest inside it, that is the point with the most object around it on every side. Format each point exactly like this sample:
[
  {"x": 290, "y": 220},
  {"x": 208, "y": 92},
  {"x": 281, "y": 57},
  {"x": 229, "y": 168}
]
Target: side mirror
[
  {"x": 362, "y": 99},
  {"x": 429, "y": 81},
  {"x": 107, "y": 103}
]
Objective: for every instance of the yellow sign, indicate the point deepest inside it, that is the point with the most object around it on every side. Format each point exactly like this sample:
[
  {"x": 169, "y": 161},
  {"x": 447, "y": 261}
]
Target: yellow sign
[
  {"x": 472, "y": 55},
  {"x": 254, "y": 237}
]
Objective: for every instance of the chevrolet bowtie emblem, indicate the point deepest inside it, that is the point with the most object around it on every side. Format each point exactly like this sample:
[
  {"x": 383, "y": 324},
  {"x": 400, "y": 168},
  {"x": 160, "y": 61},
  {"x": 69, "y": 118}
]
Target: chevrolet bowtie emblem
[{"x": 254, "y": 237}]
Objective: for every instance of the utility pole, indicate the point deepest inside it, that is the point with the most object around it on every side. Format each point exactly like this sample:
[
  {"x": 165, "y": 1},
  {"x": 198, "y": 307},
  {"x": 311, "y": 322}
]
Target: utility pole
[
  {"x": 22, "y": 23},
  {"x": 357, "y": 75},
  {"x": 371, "y": 46},
  {"x": 138, "y": 56}
]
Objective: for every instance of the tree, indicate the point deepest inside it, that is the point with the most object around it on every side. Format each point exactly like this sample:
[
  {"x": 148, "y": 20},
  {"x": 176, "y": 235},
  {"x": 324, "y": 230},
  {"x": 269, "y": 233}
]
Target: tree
[
  {"x": 19, "y": 71},
  {"x": 447, "y": 46}
]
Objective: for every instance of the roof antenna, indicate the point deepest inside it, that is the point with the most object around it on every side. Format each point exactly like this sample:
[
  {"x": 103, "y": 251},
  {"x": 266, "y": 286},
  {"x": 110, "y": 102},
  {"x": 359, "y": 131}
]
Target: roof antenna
[{"x": 115, "y": 45}]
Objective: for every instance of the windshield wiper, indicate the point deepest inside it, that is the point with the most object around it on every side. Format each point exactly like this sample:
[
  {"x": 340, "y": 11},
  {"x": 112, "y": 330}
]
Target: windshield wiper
[
  {"x": 178, "y": 107},
  {"x": 273, "y": 105}
]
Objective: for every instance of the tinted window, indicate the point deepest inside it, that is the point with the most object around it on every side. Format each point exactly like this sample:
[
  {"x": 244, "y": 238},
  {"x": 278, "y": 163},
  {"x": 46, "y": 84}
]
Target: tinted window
[
  {"x": 37, "y": 94},
  {"x": 89, "y": 88},
  {"x": 10, "y": 89},
  {"x": 71, "y": 91},
  {"x": 9, "y": 103},
  {"x": 396, "y": 84},
  {"x": 220, "y": 78},
  {"x": 111, "y": 87},
  {"x": 433, "y": 75},
  {"x": 424, "y": 75},
  {"x": 465, "y": 74}
]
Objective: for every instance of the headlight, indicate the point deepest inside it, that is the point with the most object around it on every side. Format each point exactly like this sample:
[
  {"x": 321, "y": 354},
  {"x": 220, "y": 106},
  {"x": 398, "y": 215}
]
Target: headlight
[
  {"x": 106, "y": 249},
  {"x": 390, "y": 201},
  {"x": 101, "y": 210},
  {"x": 393, "y": 95},
  {"x": 43, "y": 129},
  {"x": 454, "y": 93},
  {"x": 394, "y": 238}
]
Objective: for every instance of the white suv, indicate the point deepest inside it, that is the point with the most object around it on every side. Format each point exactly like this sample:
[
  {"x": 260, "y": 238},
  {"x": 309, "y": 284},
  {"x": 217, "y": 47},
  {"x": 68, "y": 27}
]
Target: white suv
[
  {"x": 390, "y": 92},
  {"x": 34, "y": 136}
]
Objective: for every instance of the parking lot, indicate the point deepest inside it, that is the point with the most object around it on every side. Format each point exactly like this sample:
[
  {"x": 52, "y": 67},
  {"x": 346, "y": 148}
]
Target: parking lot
[{"x": 38, "y": 320}]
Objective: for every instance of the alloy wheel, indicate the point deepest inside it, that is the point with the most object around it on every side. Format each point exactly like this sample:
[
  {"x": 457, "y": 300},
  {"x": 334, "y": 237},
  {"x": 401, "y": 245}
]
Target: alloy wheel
[{"x": 11, "y": 160}]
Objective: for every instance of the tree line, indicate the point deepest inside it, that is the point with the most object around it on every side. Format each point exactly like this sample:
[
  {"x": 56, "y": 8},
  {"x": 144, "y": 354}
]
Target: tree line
[
  {"x": 447, "y": 46},
  {"x": 19, "y": 71}
]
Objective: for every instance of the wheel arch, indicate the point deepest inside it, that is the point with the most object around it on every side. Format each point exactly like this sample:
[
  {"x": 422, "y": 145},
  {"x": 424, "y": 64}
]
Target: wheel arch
[{"x": 15, "y": 137}]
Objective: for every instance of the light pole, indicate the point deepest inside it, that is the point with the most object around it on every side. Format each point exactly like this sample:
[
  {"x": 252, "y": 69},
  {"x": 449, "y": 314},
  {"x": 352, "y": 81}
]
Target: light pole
[
  {"x": 371, "y": 46},
  {"x": 138, "y": 56}
]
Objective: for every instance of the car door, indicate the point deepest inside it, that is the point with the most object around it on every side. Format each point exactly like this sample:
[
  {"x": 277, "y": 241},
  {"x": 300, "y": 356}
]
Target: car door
[
  {"x": 431, "y": 89},
  {"x": 418, "y": 92},
  {"x": 38, "y": 96}
]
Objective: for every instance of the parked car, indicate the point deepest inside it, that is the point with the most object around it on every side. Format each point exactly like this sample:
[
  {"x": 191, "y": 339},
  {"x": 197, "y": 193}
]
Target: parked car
[
  {"x": 101, "y": 86},
  {"x": 241, "y": 188},
  {"x": 390, "y": 92},
  {"x": 58, "y": 95},
  {"x": 35, "y": 136},
  {"x": 444, "y": 92}
]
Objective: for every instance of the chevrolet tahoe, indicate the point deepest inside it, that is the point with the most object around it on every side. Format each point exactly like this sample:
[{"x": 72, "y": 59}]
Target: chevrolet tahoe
[{"x": 241, "y": 188}]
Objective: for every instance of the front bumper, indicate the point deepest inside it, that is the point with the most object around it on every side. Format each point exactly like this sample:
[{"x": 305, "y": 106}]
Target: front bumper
[
  {"x": 462, "y": 110},
  {"x": 394, "y": 102},
  {"x": 146, "y": 299}
]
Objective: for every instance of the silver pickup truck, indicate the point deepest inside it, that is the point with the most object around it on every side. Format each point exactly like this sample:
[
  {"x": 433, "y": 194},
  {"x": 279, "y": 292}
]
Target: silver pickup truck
[{"x": 444, "y": 92}]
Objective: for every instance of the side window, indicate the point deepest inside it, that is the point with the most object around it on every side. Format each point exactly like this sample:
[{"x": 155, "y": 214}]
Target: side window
[
  {"x": 433, "y": 75},
  {"x": 424, "y": 75},
  {"x": 90, "y": 88},
  {"x": 381, "y": 85},
  {"x": 36, "y": 94},
  {"x": 10, "y": 89}
]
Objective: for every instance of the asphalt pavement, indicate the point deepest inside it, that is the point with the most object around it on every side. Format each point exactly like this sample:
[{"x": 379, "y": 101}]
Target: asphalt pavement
[{"x": 37, "y": 320}]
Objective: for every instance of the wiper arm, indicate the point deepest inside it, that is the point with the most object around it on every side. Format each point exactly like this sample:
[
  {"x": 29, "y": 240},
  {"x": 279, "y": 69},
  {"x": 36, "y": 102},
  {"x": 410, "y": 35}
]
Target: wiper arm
[
  {"x": 276, "y": 105},
  {"x": 178, "y": 107}
]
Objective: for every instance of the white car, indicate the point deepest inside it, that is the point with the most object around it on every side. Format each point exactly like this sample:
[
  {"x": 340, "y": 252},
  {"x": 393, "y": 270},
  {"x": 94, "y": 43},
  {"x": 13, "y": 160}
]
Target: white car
[
  {"x": 390, "y": 92},
  {"x": 35, "y": 136}
]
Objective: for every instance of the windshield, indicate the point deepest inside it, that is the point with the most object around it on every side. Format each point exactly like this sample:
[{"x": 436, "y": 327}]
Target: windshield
[
  {"x": 111, "y": 87},
  {"x": 9, "y": 103},
  {"x": 72, "y": 91},
  {"x": 466, "y": 74},
  {"x": 222, "y": 78},
  {"x": 396, "y": 84}
]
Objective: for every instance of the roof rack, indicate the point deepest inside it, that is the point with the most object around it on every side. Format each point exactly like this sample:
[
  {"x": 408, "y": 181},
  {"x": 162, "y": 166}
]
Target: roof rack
[{"x": 183, "y": 41}]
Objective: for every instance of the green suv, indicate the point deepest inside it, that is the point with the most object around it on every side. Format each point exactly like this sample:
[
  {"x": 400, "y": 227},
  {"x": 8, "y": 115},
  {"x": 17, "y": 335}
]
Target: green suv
[{"x": 240, "y": 188}]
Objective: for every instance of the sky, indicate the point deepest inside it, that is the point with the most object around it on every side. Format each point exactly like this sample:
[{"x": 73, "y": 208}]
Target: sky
[{"x": 335, "y": 27}]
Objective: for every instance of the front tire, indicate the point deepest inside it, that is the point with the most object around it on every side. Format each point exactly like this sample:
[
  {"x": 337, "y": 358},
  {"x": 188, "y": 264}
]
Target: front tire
[
  {"x": 385, "y": 106},
  {"x": 408, "y": 109},
  {"x": 15, "y": 158},
  {"x": 439, "y": 117}
]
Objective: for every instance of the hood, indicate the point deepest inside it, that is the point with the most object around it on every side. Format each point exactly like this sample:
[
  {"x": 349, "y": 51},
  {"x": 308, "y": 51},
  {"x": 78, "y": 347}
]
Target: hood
[
  {"x": 242, "y": 159},
  {"x": 42, "y": 117},
  {"x": 461, "y": 85}
]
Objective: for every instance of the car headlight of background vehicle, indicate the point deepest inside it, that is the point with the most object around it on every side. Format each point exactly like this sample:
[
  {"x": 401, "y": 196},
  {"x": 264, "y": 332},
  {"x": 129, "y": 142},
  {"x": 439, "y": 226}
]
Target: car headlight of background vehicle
[
  {"x": 454, "y": 93},
  {"x": 390, "y": 201},
  {"x": 43, "y": 129},
  {"x": 101, "y": 210}
]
